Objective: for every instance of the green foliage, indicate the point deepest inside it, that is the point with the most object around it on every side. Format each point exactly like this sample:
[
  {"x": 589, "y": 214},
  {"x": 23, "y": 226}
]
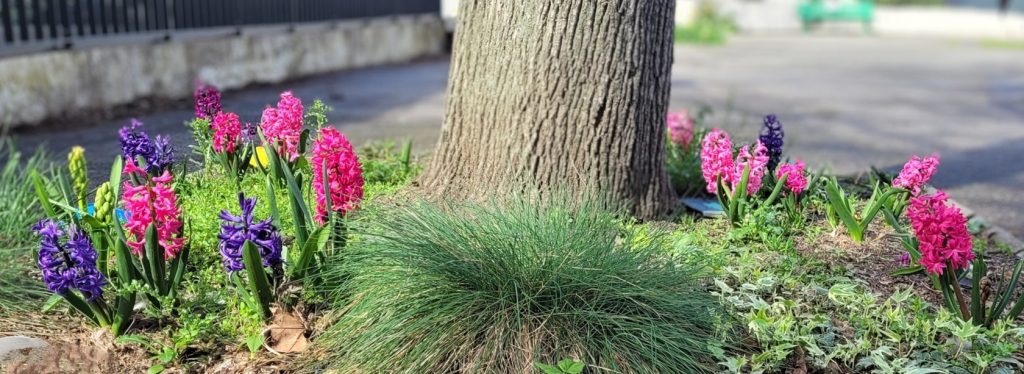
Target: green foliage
[
  {"x": 496, "y": 287},
  {"x": 797, "y": 308},
  {"x": 385, "y": 163},
  {"x": 566, "y": 366},
  {"x": 842, "y": 207},
  {"x": 707, "y": 28}
]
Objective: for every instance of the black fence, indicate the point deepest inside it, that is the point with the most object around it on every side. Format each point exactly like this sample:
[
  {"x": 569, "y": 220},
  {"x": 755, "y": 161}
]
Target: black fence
[{"x": 61, "y": 23}]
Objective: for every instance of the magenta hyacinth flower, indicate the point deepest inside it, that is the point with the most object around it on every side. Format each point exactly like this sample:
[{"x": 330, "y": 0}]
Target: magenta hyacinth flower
[
  {"x": 916, "y": 173},
  {"x": 333, "y": 154},
  {"x": 153, "y": 202},
  {"x": 941, "y": 231},
  {"x": 69, "y": 265},
  {"x": 283, "y": 125},
  {"x": 796, "y": 182},
  {"x": 227, "y": 132},
  {"x": 680, "y": 128},
  {"x": 207, "y": 100},
  {"x": 758, "y": 162},
  {"x": 716, "y": 159},
  {"x": 237, "y": 229}
]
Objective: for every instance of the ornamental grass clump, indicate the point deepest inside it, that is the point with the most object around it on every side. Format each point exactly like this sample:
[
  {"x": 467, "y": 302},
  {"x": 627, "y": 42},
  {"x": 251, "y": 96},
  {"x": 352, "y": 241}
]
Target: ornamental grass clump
[{"x": 497, "y": 287}]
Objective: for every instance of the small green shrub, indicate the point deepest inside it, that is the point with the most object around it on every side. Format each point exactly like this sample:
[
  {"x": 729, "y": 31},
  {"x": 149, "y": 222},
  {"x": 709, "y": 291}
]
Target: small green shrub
[
  {"x": 386, "y": 163},
  {"x": 708, "y": 27},
  {"x": 498, "y": 287}
]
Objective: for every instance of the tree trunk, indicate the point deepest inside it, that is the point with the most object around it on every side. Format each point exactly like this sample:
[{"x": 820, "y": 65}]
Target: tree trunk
[{"x": 558, "y": 94}]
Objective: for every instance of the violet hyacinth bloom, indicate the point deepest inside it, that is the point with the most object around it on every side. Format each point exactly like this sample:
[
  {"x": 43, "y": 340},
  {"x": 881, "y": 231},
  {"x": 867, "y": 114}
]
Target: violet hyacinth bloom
[
  {"x": 771, "y": 137},
  {"x": 159, "y": 155},
  {"x": 207, "y": 101},
  {"x": 237, "y": 229},
  {"x": 70, "y": 265}
]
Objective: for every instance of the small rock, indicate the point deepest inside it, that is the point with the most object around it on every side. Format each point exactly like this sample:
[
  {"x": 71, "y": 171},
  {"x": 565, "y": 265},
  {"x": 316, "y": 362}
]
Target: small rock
[{"x": 16, "y": 343}]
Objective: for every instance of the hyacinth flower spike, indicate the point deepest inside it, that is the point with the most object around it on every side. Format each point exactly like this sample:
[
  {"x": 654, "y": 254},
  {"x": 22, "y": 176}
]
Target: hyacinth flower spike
[
  {"x": 68, "y": 261},
  {"x": 943, "y": 247},
  {"x": 154, "y": 231},
  {"x": 736, "y": 181},
  {"x": 251, "y": 246}
]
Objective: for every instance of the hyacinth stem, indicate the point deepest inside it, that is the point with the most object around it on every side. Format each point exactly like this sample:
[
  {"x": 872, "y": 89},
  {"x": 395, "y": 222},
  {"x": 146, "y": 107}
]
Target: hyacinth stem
[
  {"x": 977, "y": 305},
  {"x": 154, "y": 257},
  {"x": 102, "y": 245},
  {"x": 79, "y": 304},
  {"x": 122, "y": 318},
  {"x": 259, "y": 285},
  {"x": 965, "y": 314},
  {"x": 775, "y": 191}
]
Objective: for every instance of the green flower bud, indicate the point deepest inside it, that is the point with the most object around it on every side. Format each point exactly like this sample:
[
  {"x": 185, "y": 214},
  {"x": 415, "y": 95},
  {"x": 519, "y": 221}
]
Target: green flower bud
[
  {"x": 79, "y": 175},
  {"x": 104, "y": 202}
]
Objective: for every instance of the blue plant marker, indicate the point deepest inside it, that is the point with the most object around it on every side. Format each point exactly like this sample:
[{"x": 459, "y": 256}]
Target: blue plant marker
[{"x": 706, "y": 207}]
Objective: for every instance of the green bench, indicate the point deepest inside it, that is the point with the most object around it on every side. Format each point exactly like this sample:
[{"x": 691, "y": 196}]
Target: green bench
[{"x": 814, "y": 12}]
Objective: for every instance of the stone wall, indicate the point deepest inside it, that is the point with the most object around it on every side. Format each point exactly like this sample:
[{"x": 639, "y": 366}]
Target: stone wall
[{"x": 57, "y": 84}]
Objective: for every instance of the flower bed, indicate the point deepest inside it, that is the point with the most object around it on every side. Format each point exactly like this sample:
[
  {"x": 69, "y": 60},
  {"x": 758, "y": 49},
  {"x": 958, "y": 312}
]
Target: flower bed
[{"x": 291, "y": 250}]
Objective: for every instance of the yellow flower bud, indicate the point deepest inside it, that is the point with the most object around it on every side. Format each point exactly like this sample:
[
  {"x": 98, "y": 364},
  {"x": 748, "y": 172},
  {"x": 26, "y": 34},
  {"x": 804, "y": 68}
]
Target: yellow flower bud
[{"x": 79, "y": 174}]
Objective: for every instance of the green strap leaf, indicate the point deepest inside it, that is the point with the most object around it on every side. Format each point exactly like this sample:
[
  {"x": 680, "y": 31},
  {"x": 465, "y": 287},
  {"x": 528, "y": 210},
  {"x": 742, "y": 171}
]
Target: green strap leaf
[{"x": 258, "y": 282}]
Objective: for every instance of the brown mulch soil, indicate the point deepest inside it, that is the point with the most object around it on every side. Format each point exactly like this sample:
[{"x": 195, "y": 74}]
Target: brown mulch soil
[
  {"x": 874, "y": 260},
  {"x": 75, "y": 347}
]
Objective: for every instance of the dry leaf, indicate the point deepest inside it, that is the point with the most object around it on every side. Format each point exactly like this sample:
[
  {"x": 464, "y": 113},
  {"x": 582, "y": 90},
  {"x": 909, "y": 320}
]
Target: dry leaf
[{"x": 287, "y": 333}]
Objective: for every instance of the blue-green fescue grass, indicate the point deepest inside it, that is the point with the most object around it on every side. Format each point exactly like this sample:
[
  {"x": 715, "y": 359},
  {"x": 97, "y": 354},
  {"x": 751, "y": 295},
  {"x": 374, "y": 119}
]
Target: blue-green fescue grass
[
  {"x": 19, "y": 210},
  {"x": 497, "y": 287}
]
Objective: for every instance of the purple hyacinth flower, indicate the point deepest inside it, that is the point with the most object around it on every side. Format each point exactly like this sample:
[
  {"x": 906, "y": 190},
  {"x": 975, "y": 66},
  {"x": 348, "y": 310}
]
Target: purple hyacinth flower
[
  {"x": 237, "y": 229},
  {"x": 207, "y": 101},
  {"x": 135, "y": 144},
  {"x": 71, "y": 265},
  {"x": 162, "y": 157},
  {"x": 771, "y": 137}
]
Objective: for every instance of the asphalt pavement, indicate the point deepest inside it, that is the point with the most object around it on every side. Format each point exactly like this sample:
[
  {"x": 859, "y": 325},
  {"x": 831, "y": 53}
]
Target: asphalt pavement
[{"x": 846, "y": 103}]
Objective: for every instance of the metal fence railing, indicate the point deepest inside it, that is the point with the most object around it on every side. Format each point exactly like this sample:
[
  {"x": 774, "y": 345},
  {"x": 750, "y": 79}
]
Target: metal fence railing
[{"x": 62, "y": 23}]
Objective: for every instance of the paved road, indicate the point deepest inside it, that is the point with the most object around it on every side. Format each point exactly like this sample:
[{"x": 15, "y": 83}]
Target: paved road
[{"x": 848, "y": 103}]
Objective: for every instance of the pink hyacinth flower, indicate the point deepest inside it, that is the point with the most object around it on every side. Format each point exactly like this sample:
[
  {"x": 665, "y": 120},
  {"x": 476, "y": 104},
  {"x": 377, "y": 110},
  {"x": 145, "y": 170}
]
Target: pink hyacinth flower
[
  {"x": 333, "y": 154},
  {"x": 758, "y": 163},
  {"x": 283, "y": 125},
  {"x": 941, "y": 231},
  {"x": 152, "y": 203},
  {"x": 716, "y": 159},
  {"x": 796, "y": 182},
  {"x": 680, "y": 128},
  {"x": 227, "y": 132},
  {"x": 916, "y": 173}
]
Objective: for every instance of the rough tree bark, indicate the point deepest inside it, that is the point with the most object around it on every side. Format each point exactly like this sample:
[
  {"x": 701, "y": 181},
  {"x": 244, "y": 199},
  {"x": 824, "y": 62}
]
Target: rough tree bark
[{"x": 558, "y": 94}]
